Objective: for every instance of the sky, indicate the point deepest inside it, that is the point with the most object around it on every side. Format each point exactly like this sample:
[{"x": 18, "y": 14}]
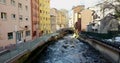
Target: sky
[{"x": 68, "y": 4}]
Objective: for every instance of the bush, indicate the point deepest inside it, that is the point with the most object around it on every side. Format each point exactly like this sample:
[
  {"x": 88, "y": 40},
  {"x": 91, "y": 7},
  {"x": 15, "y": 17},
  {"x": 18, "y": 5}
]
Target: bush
[{"x": 98, "y": 35}]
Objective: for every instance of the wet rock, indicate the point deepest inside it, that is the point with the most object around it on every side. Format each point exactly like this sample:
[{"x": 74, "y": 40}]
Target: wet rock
[
  {"x": 72, "y": 46},
  {"x": 65, "y": 46}
]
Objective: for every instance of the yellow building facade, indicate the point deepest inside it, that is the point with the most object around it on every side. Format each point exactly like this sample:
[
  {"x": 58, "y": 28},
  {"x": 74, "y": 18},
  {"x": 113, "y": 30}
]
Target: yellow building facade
[{"x": 44, "y": 16}]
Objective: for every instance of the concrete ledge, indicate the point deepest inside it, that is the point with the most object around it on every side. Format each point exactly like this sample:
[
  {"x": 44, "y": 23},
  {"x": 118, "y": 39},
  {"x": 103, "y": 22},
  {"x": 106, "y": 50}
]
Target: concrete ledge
[{"x": 16, "y": 57}]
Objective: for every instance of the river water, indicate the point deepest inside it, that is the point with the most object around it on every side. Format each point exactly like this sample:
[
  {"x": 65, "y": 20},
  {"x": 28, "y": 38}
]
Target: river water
[{"x": 70, "y": 50}]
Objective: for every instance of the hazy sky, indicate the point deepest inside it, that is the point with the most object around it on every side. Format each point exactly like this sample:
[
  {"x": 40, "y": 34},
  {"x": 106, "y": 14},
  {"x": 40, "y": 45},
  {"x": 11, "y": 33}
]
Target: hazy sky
[{"x": 68, "y": 4}]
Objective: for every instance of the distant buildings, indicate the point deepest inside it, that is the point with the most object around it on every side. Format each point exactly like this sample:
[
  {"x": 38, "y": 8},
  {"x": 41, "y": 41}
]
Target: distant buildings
[
  {"x": 104, "y": 18},
  {"x": 53, "y": 19},
  {"x": 70, "y": 22},
  {"x": 77, "y": 12},
  {"x": 15, "y": 22},
  {"x": 93, "y": 26},
  {"x": 80, "y": 18},
  {"x": 53, "y": 23},
  {"x": 59, "y": 19},
  {"x": 108, "y": 23},
  {"x": 66, "y": 16}
]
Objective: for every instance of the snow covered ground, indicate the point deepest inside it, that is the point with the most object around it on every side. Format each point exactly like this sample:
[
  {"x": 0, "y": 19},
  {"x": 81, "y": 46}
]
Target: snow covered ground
[
  {"x": 70, "y": 50},
  {"x": 117, "y": 39}
]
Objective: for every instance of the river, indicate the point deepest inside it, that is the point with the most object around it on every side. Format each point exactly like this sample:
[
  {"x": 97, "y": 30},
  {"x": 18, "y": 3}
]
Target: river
[{"x": 70, "y": 50}]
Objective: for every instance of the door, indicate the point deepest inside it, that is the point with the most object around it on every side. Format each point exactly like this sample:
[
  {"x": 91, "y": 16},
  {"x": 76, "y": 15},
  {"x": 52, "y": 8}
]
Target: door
[{"x": 19, "y": 36}]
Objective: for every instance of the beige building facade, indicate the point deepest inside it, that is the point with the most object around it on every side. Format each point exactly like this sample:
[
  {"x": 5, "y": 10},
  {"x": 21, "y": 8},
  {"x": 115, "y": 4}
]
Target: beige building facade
[
  {"x": 15, "y": 22},
  {"x": 58, "y": 18},
  {"x": 76, "y": 12},
  {"x": 53, "y": 19},
  {"x": 86, "y": 18},
  {"x": 80, "y": 18}
]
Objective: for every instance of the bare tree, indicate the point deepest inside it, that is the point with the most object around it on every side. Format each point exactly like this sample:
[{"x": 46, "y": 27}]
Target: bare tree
[{"x": 111, "y": 5}]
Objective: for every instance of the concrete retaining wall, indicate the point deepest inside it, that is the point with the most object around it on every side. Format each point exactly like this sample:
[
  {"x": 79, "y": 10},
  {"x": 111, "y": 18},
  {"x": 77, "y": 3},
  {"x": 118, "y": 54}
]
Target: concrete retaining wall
[
  {"x": 109, "y": 52},
  {"x": 30, "y": 55}
]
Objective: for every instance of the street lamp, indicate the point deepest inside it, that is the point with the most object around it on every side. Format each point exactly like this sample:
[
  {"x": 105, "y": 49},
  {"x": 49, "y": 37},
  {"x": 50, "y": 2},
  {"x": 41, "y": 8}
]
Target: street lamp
[{"x": 15, "y": 30}]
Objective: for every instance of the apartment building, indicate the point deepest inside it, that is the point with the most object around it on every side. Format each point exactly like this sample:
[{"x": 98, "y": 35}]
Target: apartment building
[
  {"x": 44, "y": 15},
  {"x": 86, "y": 18},
  {"x": 53, "y": 19},
  {"x": 58, "y": 19},
  {"x": 80, "y": 18},
  {"x": 35, "y": 18},
  {"x": 15, "y": 22},
  {"x": 65, "y": 17},
  {"x": 76, "y": 12},
  {"x": 75, "y": 18}
]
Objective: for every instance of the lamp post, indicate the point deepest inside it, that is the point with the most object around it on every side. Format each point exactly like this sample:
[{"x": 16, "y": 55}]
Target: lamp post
[{"x": 15, "y": 30}]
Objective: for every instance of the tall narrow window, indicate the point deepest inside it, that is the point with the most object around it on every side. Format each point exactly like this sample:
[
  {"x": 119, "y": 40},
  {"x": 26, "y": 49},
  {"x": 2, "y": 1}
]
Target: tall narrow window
[
  {"x": 40, "y": 11},
  {"x": 26, "y": 18},
  {"x": 20, "y": 17},
  {"x": 13, "y": 16},
  {"x": 26, "y": 7},
  {"x": 3, "y": 15},
  {"x": 13, "y": 2},
  {"x": 19, "y": 5}
]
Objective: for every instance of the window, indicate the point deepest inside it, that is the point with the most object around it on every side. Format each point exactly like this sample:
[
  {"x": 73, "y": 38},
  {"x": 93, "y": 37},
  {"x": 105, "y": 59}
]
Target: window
[
  {"x": 19, "y": 5},
  {"x": 26, "y": 7},
  {"x": 40, "y": 11},
  {"x": 43, "y": 17},
  {"x": 48, "y": 1},
  {"x": 27, "y": 33},
  {"x": 20, "y": 17},
  {"x": 10, "y": 35},
  {"x": 26, "y": 18},
  {"x": 3, "y": 1},
  {"x": 13, "y": 16},
  {"x": 3, "y": 15},
  {"x": 13, "y": 2}
]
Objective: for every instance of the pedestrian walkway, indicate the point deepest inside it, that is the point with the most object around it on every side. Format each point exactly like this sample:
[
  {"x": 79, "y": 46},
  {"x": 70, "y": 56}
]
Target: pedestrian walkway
[{"x": 24, "y": 47}]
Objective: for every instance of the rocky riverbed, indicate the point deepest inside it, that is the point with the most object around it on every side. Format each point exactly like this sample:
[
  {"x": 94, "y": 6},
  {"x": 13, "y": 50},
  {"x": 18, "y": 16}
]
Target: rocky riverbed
[{"x": 70, "y": 50}]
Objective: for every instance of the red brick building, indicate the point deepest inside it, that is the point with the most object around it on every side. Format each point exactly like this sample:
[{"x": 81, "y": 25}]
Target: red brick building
[{"x": 35, "y": 18}]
